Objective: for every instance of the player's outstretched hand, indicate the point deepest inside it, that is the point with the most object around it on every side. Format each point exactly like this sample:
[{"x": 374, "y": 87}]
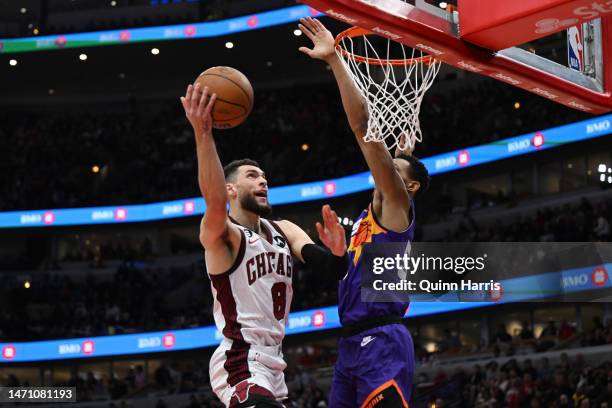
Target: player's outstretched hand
[
  {"x": 198, "y": 109},
  {"x": 322, "y": 40},
  {"x": 331, "y": 232}
]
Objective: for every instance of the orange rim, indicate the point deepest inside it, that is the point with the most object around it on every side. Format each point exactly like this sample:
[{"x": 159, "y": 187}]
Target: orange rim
[{"x": 358, "y": 31}]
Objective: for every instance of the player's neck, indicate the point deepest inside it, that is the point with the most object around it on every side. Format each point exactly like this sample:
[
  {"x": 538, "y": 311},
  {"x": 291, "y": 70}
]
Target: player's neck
[{"x": 247, "y": 219}]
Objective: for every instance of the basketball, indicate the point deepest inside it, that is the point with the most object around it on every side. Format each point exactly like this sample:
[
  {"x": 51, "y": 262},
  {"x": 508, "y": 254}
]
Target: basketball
[{"x": 234, "y": 95}]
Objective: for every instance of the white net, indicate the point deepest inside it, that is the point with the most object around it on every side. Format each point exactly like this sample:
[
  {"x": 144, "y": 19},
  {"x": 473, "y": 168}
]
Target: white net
[{"x": 393, "y": 81}]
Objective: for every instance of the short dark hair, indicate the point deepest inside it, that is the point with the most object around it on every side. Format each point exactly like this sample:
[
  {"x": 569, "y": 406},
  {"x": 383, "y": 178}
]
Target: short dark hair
[
  {"x": 418, "y": 171},
  {"x": 231, "y": 168}
]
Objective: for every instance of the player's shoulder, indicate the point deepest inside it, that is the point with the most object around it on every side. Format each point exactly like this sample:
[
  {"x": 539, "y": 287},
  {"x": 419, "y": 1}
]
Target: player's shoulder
[{"x": 284, "y": 226}]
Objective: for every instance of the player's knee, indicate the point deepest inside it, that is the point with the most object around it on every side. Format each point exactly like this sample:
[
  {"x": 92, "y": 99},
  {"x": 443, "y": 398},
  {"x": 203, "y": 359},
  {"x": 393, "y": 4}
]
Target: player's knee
[{"x": 389, "y": 396}]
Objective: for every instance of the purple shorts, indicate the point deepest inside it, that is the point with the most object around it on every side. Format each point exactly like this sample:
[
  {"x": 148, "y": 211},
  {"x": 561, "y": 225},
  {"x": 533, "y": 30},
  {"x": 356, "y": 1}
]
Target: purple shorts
[{"x": 377, "y": 359}]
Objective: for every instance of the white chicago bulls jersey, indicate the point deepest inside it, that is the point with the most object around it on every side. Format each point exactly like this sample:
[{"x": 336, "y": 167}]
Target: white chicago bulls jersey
[{"x": 252, "y": 299}]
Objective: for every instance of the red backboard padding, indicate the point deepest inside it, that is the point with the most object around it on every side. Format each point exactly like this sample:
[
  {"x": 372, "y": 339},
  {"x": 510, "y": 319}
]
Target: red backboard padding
[{"x": 497, "y": 25}]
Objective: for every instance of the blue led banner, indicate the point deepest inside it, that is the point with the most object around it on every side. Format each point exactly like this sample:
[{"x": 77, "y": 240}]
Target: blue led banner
[
  {"x": 575, "y": 280},
  {"x": 171, "y": 32},
  {"x": 456, "y": 160}
]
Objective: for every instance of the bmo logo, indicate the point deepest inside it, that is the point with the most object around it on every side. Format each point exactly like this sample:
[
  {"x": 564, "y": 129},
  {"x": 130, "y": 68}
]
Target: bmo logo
[
  {"x": 318, "y": 319},
  {"x": 48, "y": 218},
  {"x": 599, "y": 276},
  {"x": 120, "y": 214},
  {"x": 188, "y": 207},
  {"x": 9, "y": 352},
  {"x": 496, "y": 295},
  {"x": 538, "y": 140},
  {"x": 88, "y": 347},
  {"x": 463, "y": 158},
  {"x": 169, "y": 340},
  {"x": 330, "y": 188}
]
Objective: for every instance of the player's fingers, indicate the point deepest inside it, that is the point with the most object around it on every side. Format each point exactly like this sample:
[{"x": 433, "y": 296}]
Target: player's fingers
[
  {"x": 320, "y": 230},
  {"x": 319, "y": 25},
  {"x": 195, "y": 94},
  {"x": 311, "y": 24},
  {"x": 306, "y": 31},
  {"x": 184, "y": 103},
  {"x": 211, "y": 103},
  {"x": 189, "y": 91},
  {"x": 202, "y": 102},
  {"x": 305, "y": 50},
  {"x": 335, "y": 217},
  {"x": 327, "y": 217}
]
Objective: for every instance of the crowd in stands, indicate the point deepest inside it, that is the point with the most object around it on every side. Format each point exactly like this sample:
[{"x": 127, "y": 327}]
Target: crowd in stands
[
  {"x": 94, "y": 306},
  {"x": 170, "y": 379},
  {"x": 147, "y": 154},
  {"x": 584, "y": 222},
  {"x": 571, "y": 383}
]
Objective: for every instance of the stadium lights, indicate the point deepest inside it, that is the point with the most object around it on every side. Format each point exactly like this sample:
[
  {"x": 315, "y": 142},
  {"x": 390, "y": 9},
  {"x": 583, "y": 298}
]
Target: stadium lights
[
  {"x": 229, "y": 45},
  {"x": 297, "y": 32},
  {"x": 113, "y": 3},
  {"x": 155, "y": 51},
  {"x": 13, "y": 62},
  {"x": 305, "y": 147},
  {"x": 23, "y": 10},
  {"x": 51, "y": 91},
  {"x": 605, "y": 173},
  {"x": 27, "y": 284},
  {"x": 35, "y": 31},
  {"x": 443, "y": 5},
  {"x": 83, "y": 57},
  {"x": 95, "y": 168},
  {"x": 517, "y": 105}
]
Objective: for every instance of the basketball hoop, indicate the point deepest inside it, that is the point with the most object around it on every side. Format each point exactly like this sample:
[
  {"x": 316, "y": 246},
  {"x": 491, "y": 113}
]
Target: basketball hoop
[{"x": 393, "y": 85}]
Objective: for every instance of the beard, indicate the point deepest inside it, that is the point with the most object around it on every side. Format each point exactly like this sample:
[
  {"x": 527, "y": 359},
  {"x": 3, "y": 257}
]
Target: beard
[{"x": 249, "y": 203}]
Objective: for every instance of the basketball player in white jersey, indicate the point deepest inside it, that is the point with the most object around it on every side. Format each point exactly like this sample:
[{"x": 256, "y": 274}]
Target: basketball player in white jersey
[{"x": 249, "y": 261}]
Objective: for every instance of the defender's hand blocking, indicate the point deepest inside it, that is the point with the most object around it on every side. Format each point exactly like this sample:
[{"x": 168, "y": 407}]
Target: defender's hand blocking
[
  {"x": 324, "y": 46},
  {"x": 198, "y": 109},
  {"x": 331, "y": 233}
]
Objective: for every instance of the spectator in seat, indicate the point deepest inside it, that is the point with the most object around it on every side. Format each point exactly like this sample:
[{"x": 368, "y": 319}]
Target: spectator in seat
[
  {"x": 566, "y": 330},
  {"x": 502, "y": 336},
  {"x": 526, "y": 333}
]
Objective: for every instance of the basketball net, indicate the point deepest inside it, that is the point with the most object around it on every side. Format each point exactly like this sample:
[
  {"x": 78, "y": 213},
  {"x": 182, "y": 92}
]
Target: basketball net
[{"x": 393, "y": 88}]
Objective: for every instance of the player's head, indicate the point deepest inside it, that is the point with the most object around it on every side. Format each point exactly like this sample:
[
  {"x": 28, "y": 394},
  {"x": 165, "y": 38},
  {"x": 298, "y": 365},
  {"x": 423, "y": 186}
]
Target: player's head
[
  {"x": 413, "y": 172},
  {"x": 247, "y": 186}
]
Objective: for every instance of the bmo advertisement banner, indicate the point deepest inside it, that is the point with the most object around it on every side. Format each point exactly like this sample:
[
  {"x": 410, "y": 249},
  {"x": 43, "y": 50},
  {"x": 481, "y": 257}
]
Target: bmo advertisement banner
[
  {"x": 318, "y": 190},
  {"x": 300, "y": 322}
]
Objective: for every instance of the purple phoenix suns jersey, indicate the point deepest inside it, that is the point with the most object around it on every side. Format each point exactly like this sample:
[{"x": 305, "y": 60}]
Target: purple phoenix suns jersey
[{"x": 368, "y": 230}]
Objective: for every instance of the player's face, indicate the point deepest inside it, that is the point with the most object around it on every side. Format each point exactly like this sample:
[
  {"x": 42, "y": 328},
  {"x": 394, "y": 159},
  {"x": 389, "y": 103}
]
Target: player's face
[
  {"x": 403, "y": 169},
  {"x": 252, "y": 189}
]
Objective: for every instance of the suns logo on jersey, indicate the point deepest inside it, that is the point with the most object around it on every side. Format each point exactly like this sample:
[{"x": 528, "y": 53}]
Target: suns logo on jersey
[{"x": 363, "y": 233}]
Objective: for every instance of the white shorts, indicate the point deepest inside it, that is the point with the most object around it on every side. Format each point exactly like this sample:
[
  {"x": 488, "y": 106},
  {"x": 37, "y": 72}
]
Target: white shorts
[{"x": 233, "y": 369}]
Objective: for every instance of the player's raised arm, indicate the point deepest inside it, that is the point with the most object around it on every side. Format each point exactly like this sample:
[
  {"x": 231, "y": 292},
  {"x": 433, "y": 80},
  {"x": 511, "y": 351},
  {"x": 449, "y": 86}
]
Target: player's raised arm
[
  {"x": 198, "y": 107},
  {"x": 396, "y": 201},
  {"x": 331, "y": 234}
]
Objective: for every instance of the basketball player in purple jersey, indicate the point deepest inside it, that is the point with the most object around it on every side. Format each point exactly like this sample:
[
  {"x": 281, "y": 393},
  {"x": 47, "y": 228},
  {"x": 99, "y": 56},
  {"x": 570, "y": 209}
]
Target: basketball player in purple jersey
[{"x": 375, "y": 354}]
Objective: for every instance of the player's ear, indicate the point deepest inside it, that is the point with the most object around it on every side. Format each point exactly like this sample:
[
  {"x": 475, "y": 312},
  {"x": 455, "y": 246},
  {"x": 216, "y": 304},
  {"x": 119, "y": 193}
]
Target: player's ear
[
  {"x": 231, "y": 190},
  {"x": 413, "y": 186}
]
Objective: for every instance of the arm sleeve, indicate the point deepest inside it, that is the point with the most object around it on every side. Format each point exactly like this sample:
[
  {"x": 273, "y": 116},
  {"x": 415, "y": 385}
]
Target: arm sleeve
[{"x": 319, "y": 258}]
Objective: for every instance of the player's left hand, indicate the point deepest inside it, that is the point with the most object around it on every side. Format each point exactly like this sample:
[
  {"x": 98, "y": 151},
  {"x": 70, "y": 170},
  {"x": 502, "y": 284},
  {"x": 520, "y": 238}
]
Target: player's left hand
[
  {"x": 332, "y": 234},
  {"x": 324, "y": 46}
]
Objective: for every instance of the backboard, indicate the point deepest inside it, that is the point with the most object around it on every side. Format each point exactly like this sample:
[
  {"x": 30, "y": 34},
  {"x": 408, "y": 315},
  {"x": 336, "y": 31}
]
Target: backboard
[{"x": 484, "y": 37}]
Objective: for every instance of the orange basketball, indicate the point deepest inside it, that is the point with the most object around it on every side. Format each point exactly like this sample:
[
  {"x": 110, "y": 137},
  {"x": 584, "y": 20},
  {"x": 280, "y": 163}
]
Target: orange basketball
[{"x": 234, "y": 95}]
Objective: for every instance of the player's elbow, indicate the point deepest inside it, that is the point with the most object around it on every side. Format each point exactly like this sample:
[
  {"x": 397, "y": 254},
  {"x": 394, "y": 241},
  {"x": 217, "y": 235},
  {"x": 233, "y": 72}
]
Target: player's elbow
[{"x": 360, "y": 127}]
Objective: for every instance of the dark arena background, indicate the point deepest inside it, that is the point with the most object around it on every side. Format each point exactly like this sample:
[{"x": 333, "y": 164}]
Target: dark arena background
[{"x": 102, "y": 278}]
